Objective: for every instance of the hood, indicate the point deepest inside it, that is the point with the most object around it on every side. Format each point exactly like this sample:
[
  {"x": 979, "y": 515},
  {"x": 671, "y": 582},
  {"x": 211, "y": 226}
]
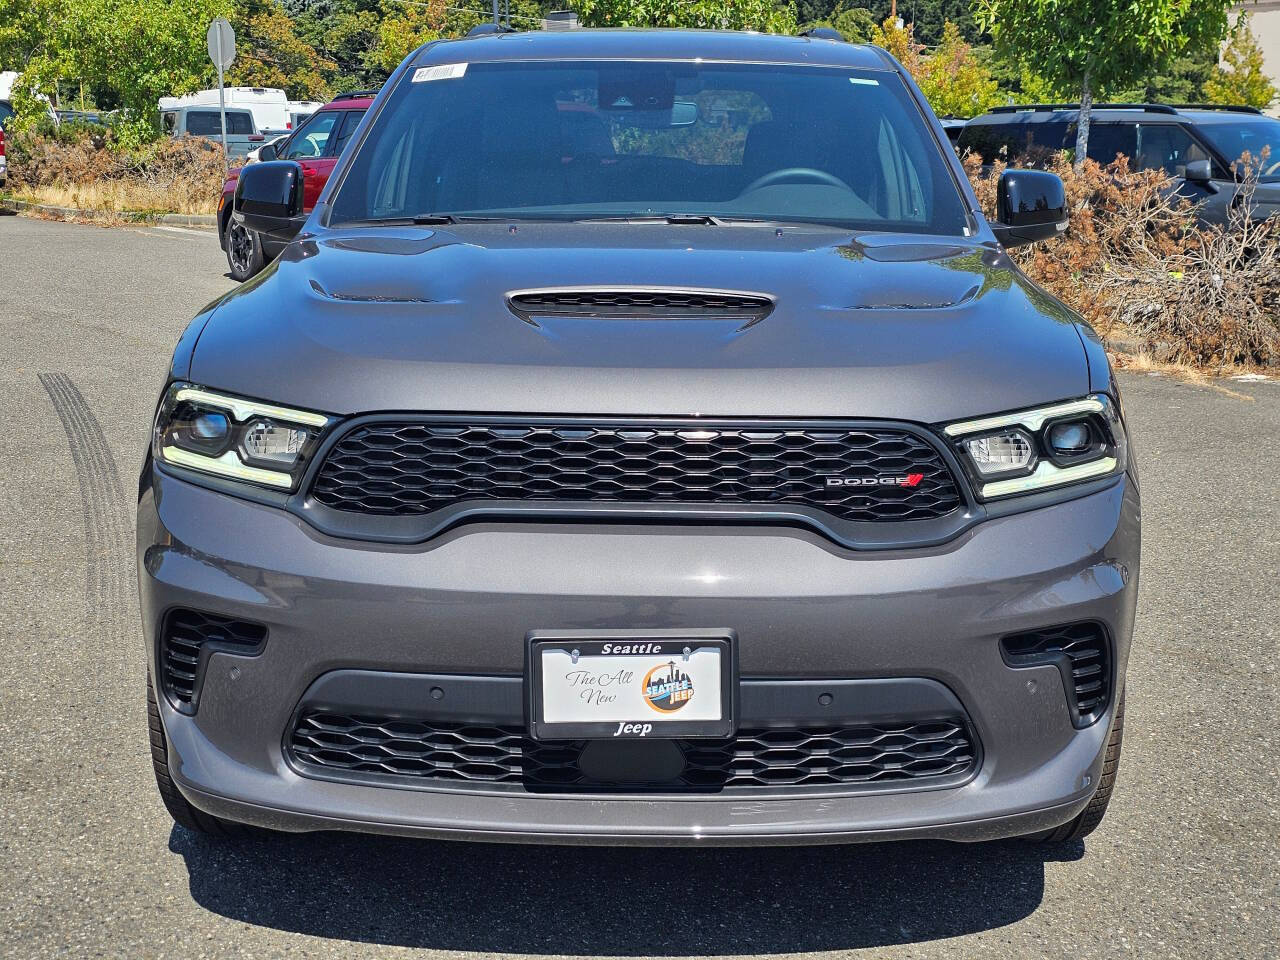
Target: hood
[{"x": 876, "y": 326}]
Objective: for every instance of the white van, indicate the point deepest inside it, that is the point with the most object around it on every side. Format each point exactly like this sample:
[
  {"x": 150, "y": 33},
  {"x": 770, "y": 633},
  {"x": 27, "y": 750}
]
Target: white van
[
  {"x": 299, "y": 110},
  {"x": 269, "y": 106}
]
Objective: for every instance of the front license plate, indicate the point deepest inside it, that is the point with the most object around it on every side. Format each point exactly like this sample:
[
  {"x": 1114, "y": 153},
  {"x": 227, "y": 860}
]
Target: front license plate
[{"x": 661, "y": 687}]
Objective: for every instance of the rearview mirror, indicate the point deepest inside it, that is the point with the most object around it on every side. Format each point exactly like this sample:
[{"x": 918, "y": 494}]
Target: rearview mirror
[
  {"x": 1199, "y": 171},
  {"x": 268, "y": 198},
  {"x": 1031, "y": 205}
]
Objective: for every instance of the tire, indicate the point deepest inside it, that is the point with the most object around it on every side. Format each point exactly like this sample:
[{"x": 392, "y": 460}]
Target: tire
[
  {"x": 1088, "y": 819},
  {"x": 245, "y": 255},
  {"x": 183, "y": 813}
]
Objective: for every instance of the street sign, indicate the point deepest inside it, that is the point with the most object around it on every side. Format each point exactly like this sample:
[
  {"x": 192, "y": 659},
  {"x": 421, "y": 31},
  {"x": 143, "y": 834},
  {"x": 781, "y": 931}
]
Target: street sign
[
  {"x": 222, "y": 43},
  {"x": 221, "y": 40}
]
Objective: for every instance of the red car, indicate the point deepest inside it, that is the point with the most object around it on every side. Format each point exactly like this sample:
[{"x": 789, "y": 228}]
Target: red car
[{"x": 316, "y": 145}]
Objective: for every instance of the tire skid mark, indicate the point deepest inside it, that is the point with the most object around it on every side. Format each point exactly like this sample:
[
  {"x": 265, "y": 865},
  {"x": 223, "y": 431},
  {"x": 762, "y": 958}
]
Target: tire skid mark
[{"x": 102, "y": 507}]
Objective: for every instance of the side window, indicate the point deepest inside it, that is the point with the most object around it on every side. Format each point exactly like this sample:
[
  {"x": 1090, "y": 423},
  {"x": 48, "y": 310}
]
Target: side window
[
  {"x": 205, "y": 123},
  {"x": 1167, "y": 147},
  {"x": 202, "y": 123},
  {"x": 239, "y": 124},
  {"x": 1010, "y": 141},
  {"x": 170, "y": 123},
  {"x": 1107, "y": 140},
  {"x": 311, "y": 138},
  {"x": 351, "y": 120}
]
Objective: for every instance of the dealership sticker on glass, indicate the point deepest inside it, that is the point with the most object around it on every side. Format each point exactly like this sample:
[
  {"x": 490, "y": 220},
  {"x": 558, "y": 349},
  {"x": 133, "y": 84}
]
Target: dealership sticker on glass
[{"x": 630, "y": 688}]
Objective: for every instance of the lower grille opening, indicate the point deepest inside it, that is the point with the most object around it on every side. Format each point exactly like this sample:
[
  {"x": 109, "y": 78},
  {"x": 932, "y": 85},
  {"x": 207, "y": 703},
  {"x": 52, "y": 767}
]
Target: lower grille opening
[
  {"x": 1082, "y": 654},
  {"x": 388, "y": 748},
  {"x": 185, "y": 633}
]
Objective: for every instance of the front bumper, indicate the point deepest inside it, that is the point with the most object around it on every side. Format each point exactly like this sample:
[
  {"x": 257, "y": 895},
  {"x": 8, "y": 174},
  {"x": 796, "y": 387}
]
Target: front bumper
[{"x": 799, "y": 608}]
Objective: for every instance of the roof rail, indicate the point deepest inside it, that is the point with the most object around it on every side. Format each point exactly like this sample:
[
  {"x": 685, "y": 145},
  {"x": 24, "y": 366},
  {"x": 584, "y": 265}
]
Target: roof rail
[
  {"x": 1229, "y": 107},
  {"x": 1020, "y": 107},
  {"x": 822, "y": 33},
  {"x": 488, "y": 29},
  {"x": 356, "y": 94}
]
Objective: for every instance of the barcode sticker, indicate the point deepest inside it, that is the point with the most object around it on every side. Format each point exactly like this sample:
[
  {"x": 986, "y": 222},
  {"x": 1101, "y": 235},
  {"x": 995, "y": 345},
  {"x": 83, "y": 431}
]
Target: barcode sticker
[{"x": 445, "y": 71}]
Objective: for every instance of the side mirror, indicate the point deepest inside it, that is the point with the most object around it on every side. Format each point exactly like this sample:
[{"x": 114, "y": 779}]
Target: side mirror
[
  {"x": 268, "y": 198},
  {"x": 267, "y": 151},
  {"x": 1199, "y": 172},
  {"x": 1031, "y": 205}
]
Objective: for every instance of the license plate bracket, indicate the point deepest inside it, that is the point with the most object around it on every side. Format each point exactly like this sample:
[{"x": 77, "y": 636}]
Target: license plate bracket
[{"x": 660, "y": 684}]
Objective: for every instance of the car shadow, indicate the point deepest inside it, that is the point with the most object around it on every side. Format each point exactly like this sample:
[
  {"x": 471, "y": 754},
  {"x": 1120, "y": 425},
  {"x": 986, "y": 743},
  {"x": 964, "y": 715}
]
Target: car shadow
[{"x": 675, "y": 902}]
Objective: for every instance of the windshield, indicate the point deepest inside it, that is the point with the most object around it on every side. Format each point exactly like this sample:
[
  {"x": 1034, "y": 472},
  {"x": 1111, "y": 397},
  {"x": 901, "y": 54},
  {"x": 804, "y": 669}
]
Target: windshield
[
  {"x": 1259, "y": 138},
  {"x": 589, "y": 140}
]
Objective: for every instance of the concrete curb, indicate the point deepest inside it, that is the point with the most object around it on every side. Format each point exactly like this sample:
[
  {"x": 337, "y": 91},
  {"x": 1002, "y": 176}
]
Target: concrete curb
[{"x": 198, "y": 221}]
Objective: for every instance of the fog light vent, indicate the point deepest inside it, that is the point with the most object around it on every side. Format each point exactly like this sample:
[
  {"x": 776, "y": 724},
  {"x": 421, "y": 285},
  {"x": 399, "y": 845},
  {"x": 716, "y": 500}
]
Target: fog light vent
[
  {"x": 1082, "y": 654},
  {"x": 185, "y": 633}
]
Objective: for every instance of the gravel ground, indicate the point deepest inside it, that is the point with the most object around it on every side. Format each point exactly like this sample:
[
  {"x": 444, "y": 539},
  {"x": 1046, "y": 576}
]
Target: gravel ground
[{"x": 1185, "y": 864}]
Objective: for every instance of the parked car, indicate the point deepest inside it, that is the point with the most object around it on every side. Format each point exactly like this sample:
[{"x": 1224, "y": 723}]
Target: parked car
[
  {"x": 269, "y": 106},
  {"x": 80, "y": 116},
  {"x": 953, "y": 125},
  {"x": 316, "y": 145},
  {"x": 274, "y": 139},
  {"x": 712, "y": 478},
  {"x": 1200, "y": 145},
  {"x": 242, "y": 133}
]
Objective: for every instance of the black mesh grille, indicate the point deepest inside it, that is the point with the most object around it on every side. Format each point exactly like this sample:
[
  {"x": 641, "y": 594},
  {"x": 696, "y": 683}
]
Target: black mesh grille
[
  {"x": 429, "y": 750},
  {"x": 641, "y": 304},
  {"x": 1083, "y": 653},
  {"x": 185, "y": 633},
  {"x": 402, "y": 469}
]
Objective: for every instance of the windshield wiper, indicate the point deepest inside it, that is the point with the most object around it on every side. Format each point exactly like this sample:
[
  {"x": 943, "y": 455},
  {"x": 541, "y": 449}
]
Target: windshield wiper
[
  {"x": 677, "y": 219},
  {"x": 426, "y": 218},
  {"x": 694, "y": 218}
]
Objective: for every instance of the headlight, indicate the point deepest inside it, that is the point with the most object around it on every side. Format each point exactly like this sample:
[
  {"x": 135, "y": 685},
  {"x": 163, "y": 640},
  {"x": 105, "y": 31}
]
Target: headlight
[
  {"x": 228, "y": 436},
  {"x": 1045, "y": 447}
]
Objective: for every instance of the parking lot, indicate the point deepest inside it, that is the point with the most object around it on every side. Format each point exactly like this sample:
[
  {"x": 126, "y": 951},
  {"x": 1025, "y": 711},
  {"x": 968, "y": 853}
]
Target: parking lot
[{"x": 1184, "y": 866}]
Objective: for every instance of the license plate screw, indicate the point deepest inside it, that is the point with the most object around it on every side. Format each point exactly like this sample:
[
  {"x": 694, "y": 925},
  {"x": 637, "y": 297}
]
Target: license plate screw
[{"x": 573, "y": 655}]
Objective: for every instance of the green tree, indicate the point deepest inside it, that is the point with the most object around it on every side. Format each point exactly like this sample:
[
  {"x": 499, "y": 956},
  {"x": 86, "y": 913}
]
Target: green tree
[
  {"x": 954, "y": 80},
  {"x": 269, "y": 53},
  {"x": 856, "y": 24},
  {"x": 139, "y": 49},
  {"x": 1243, "y": 80},
  {"x": 763, "y": 15},
  {"x": 1088, "y": 45}
]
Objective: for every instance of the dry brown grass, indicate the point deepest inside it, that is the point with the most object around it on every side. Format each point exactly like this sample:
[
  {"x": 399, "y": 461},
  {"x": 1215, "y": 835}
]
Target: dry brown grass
[
  {"x": 120, "y": 197},
  {"x": 170, "y": 176}
]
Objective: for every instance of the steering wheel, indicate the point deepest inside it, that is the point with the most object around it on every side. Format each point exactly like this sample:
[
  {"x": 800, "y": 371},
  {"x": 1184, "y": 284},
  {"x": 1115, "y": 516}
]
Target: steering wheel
[
  {"x": 1275, "y": 167},
  {"x": 796, "y": 173}
]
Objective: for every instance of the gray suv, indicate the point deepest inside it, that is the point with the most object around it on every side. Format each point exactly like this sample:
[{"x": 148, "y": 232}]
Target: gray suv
[
  {"x": 646, "y": 440},
  {"x": 1203, "y": 147}
]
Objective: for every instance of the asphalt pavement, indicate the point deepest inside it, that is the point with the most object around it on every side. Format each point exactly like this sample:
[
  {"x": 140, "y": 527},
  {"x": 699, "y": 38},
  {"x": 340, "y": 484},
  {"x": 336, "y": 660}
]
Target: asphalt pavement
[{"x": 1185, "y": 865}]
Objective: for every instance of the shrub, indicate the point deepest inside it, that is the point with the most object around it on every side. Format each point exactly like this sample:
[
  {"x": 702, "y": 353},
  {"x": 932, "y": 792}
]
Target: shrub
[
  {"x": 94, "y": 172},
  {"x": 1137, "y": 263}
]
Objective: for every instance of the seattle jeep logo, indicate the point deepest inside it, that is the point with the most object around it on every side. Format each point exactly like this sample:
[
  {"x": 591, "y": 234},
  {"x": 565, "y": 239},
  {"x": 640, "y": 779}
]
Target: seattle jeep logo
[
  {"x": 666, "y": 688},
  {"x": 910, "y": 480}
]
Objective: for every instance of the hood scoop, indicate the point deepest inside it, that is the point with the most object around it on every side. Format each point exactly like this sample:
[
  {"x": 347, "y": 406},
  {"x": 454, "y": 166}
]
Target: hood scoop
[{"x": 640, "y": 303}]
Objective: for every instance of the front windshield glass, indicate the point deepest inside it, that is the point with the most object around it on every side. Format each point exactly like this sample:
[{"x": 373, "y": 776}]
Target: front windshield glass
[
  {"x": 592, "y": 140},
  {"x": 1259, "y": 138}
]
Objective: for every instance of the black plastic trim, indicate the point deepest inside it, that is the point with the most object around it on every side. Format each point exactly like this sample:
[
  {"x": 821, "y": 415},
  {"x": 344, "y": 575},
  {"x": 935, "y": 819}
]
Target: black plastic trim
[
  {"x": 1063, "y": 663},
  {"x": 206, "y": 651},
  {"x": 854, "y": 534},
  {"x": 500, "y": 700}
]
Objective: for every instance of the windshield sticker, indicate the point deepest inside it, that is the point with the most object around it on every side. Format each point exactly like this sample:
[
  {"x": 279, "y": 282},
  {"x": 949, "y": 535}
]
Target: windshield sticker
[
  {"x": 445, "y": 71},
  {"x": 862, "y": 81}
]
